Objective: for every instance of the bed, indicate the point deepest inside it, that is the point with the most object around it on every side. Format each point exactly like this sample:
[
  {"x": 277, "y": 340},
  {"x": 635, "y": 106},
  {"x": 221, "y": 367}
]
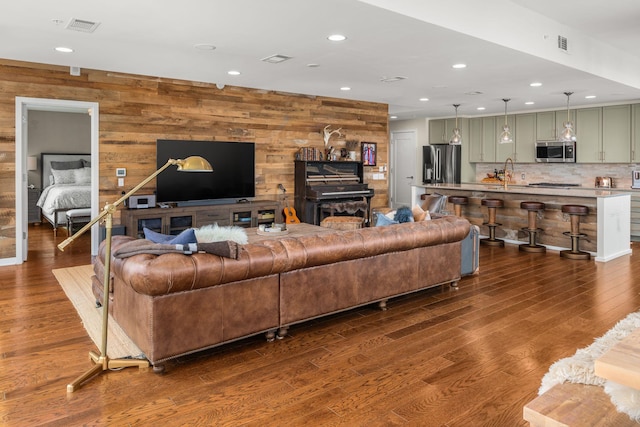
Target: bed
[{"x": 66, "y": 184}]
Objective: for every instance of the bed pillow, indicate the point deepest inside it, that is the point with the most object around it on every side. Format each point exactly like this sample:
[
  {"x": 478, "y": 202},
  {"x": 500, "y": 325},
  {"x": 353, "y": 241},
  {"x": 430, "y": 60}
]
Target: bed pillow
[
  {"x": 186, "y": 237},
  {"x": 70, "y": 164},
  {"x": 82, "y": 176},
  {"x": 63, "y": 176}
]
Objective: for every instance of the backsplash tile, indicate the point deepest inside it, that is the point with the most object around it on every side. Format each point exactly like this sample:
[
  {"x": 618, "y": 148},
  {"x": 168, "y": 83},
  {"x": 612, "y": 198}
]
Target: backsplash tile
[{"x": 571, "y": 173}]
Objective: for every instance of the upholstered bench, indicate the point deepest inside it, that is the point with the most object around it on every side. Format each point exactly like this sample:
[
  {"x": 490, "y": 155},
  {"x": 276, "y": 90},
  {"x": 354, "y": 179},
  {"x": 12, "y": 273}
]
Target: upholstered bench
[{"x": 76, "y": 216}]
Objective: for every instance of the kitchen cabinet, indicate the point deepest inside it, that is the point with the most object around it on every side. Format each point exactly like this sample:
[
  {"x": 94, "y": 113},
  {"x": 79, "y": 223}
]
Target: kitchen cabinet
[
  {"x": 525, "y": 138},
  {"x": 440, "y": 130},
  {"x": 505, "y": 150},
  {"x": 635, "y": 133},
  {"x": 616, "y": 134},
  {"x": 549, "y": 123},
  {"x": 482, "y": 139},
  {"x": 603, "y": 135},
  {"x": 588, "y": 128}
]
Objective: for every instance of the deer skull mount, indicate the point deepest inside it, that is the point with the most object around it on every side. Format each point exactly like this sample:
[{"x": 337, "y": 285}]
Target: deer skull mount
[{"x": 327, "y": 133}]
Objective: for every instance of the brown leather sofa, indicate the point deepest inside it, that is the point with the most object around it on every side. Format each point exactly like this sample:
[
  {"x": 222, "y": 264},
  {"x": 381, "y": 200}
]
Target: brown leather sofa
[{"x": 174, "y": 304}]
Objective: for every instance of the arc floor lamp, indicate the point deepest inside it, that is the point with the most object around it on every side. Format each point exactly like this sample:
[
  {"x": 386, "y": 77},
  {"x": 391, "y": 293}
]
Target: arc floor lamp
[{"x": 101, "y": 361}]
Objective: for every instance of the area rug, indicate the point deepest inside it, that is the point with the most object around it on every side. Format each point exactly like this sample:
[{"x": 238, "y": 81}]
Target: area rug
[
  {"x": 76, "y": 283},
  {"x": 579, "y": 368}
]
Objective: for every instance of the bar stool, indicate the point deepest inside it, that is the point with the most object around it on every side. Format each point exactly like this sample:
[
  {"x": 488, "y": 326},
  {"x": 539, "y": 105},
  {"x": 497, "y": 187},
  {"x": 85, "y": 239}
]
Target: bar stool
[
  {"x": 533, "y": 208},
  {"x": 492, "y": 204},
  {"x": 457, "y": 202},
  {"x": 575, "y": 212}
]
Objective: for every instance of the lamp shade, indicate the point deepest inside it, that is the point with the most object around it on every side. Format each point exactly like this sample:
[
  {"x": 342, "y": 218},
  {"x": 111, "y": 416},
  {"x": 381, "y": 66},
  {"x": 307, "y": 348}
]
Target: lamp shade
[
  {"x": 32, "y": 163},
  {"x": 194, "y": 164}
]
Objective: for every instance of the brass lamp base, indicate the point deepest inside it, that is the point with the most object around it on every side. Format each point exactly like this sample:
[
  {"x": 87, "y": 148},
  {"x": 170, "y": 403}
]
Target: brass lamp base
[{"x": 103, "y": 363}]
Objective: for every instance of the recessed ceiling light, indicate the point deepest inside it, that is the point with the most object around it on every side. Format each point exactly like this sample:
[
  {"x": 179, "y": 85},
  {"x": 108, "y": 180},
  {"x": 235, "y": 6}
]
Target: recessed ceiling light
[
  {"x": 336, "y": 37},
  {"x": 459, "y": 65},
  {"x": 313, "y": 65},
  {"x": 590, "y": 96},
  {"x": 233, "y": 73},
  {"x": 64, "y": 49},
  {"x": 529, "y": 103},
  {"x": 345, "y": 88},
  {"x": 480, "y": 108},
  {"x": 204, "y": 46},
  {"x": 393, "y": 117},
  {"x": 424, "y": 99},
  {"x": 535, "y": 84}
]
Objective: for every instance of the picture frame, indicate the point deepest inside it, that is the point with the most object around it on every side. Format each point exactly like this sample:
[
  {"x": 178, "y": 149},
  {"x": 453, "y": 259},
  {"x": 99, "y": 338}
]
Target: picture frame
[{"x": 369, "y": 153}]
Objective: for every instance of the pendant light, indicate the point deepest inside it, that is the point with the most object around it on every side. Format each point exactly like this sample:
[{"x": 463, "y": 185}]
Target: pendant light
[
  {"x": 567, "y": 133},
  {"x": 456, "y": 138},
  {"x": 505, "y": 136}
]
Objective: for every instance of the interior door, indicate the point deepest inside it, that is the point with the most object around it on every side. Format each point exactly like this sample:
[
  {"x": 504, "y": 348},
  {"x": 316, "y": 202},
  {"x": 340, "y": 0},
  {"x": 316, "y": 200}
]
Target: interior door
[{"x": 403, "y": 167}]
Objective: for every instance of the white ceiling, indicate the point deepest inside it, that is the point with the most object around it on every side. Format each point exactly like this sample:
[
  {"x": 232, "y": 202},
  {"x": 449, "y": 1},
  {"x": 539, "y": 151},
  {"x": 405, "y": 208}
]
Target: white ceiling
[{"x": 506, "y": 43}]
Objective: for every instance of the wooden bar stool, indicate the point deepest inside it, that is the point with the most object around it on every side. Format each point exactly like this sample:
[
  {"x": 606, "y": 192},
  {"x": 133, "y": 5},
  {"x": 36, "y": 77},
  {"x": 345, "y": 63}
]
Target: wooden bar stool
[
  {"x": 492, "y": 204},
  {"x": 532, "y": 229},
  {"x": 575, "y": 212},
  {"x": 457, "y": 202}
]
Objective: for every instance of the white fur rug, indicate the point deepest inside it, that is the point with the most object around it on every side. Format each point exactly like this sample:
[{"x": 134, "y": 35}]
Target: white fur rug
[
  {"x": 214, "y": 233},
  {"x": 579, "y": 368}
]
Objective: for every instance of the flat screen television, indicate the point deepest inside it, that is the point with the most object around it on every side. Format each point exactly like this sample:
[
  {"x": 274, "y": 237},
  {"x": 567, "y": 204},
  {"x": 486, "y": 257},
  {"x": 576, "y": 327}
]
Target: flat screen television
[{"x": 232, "y": 179}]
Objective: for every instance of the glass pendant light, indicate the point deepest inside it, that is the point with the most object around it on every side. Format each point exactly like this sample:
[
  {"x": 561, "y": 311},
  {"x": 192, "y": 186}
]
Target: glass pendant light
[
  {"x": 505, "y": 136},
  {"x": 456, "y": 138},
  {"x": 567, "y": 133}
]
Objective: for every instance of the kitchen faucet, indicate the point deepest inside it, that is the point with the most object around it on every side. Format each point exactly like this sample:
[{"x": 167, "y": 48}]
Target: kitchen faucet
[{"x": 507, "y": 175}]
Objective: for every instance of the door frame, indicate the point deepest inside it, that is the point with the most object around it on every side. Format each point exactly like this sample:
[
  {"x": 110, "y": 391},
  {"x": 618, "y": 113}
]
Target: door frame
[
  {"x": 393, "y": 173},
  {"x": 23, "y": 106}
]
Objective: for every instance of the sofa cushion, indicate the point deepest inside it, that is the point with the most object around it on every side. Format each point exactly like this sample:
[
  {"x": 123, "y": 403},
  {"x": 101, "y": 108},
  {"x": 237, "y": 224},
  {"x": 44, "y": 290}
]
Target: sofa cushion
[
  {"x": 382, "y": 220},
  {"x": 186, "y": 237},
  {"x": 434, "y": 203}
]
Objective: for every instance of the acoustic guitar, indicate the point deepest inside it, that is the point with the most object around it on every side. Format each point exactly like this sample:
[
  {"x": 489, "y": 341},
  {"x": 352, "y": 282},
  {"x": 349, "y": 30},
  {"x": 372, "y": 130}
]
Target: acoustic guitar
[{"x": 290, "y": 216}]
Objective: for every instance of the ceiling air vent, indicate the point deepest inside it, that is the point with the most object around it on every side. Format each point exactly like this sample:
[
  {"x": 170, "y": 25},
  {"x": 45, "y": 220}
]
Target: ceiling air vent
[
  {"x": 276, "y": 59},
  {"x": 562, "y": 43},
  {"x": 392, "y": 79},
  {"x": 82, "y": 25}
]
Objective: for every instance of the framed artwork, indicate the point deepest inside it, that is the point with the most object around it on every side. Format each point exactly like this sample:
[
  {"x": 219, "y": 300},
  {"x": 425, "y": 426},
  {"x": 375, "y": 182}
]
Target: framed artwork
[{"x": 369, "y": 153}]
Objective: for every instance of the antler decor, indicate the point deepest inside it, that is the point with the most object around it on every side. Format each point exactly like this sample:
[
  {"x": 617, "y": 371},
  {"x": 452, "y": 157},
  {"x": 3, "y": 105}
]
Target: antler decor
[{"x": 327, "y": 134}]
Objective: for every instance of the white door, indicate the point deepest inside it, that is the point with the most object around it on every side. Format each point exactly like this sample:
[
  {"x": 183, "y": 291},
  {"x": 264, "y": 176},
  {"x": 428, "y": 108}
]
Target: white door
[{"x": 403, "y": 167}]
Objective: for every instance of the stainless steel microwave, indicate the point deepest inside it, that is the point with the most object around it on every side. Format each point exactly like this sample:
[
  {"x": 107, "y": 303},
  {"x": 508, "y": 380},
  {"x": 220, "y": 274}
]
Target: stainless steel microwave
[{"x": 556, "y": 151}]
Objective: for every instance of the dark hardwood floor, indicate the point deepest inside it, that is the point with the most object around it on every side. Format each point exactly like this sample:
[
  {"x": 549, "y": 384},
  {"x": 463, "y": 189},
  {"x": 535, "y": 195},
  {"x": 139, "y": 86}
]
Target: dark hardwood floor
[{"x": 441, "y": 357}]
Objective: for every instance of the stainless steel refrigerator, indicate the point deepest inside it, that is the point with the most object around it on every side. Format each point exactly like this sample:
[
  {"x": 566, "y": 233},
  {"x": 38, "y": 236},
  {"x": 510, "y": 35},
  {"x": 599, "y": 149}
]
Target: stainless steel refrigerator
[{"x": 441, "y": 164}]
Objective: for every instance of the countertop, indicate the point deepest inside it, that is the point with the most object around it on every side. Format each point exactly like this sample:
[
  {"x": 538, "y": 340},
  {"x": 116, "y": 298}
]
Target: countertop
[{"x": 524, "y": 189}]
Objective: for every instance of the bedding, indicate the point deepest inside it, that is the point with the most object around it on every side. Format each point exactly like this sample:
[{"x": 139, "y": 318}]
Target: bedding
[{"x": 66, "y": 183}]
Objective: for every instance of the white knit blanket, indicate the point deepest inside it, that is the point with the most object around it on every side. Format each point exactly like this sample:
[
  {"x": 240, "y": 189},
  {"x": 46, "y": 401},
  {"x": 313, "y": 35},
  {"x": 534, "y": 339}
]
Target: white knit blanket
[{"x": 579, "y": 368}]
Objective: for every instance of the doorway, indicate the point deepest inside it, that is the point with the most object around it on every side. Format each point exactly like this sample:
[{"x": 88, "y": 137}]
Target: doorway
[
  {"x": 403, "y": 167},
  {"x": 23, "y": 107}
]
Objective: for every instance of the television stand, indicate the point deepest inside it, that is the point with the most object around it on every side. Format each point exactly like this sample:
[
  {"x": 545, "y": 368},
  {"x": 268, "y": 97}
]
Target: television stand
[{"x": 175, "y": 220}]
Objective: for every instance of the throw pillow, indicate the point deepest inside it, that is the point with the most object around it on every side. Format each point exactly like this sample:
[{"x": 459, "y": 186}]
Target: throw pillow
[
  {"x": 82, "y": 176},
  {"x": 434, "y": 203},
  {"x": 71, "y": 164},
  {"x": 383, "y": 220},
  {"x": 420, "y": 214},
  {"x": 186, "y": 237},
  {"x": 64, "y": 176},
  {"x": 215, "y": 233},
  {"x": 404, "y": 214}
]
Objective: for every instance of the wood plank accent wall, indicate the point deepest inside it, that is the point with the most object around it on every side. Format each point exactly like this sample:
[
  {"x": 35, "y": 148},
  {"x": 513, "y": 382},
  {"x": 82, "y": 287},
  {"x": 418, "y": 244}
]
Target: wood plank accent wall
[{"x": 135, "y": 111}]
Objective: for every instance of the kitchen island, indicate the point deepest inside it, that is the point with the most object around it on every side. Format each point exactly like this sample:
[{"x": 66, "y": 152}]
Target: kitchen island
[{"x": 607, "y": 226}]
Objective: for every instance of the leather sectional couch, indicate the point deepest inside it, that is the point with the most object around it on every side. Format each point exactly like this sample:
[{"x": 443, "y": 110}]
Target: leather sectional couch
[{"x": 173, "y": 304}]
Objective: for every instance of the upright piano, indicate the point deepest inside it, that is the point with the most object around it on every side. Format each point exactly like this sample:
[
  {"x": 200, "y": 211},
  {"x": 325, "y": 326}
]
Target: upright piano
[{"x": 318, "y": 183}]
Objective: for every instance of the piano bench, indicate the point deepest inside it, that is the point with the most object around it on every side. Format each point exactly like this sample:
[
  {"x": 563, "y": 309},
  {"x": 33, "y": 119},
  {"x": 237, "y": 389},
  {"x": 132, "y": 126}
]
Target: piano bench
[
  {"x": 350, "y": 207},
  {"x": 342, "y": 222}
]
